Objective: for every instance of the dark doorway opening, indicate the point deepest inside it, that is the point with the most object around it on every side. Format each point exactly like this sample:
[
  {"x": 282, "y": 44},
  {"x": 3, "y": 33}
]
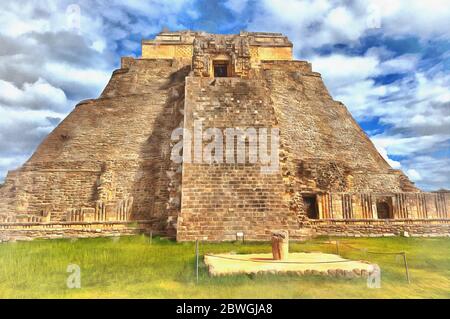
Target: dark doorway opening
[
  {"x": 221, "y": 69},
  {"x": 310, "y": 203},
  {"x": 383, "y": 210}
]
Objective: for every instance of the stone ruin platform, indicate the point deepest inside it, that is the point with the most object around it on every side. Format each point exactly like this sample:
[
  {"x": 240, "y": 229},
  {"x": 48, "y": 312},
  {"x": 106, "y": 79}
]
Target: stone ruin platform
[{"x": 297, "y": 263}]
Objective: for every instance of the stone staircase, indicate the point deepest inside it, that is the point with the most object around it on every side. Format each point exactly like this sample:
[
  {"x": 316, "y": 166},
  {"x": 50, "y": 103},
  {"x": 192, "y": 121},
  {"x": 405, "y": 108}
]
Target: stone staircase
[{"x": 236, "y": 197}]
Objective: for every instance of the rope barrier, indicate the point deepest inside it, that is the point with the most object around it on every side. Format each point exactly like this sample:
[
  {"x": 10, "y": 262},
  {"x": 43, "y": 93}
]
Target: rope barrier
[
  {"x": 282, "y": 262},
  {"x": 403, "y": 254},
  {"x": 359, "y": 249},
  {"x": 372, "y": 252}
]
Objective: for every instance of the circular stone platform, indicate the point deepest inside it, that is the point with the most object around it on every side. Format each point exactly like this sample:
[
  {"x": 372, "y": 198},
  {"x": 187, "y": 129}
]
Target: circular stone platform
[{"x": 297, "y": 263}]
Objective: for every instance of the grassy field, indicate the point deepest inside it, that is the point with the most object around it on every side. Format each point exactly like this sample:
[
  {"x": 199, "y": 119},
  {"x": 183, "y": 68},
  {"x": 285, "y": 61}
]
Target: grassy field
[{"x": 132, "y": 267}]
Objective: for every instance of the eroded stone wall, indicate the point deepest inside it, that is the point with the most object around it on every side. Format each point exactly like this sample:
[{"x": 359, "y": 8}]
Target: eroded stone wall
[
  {"x": 325, "y": 148},
  {"x": 108, "y": 152},
  {"x": 30, "y": 231},
  {"x": 384, "y": 228}
]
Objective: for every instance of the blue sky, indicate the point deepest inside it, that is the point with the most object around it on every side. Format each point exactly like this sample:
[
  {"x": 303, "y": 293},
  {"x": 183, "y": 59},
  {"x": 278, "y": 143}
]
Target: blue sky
[{"x": 388, "y": 61}]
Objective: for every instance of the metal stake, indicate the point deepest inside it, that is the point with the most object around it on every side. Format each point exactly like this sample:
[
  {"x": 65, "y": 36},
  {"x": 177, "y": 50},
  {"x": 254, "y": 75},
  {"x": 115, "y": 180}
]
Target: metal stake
[
  {"x": 196, "y": 259},
  {"x": 337, "y": 247},
  {"x": 151, "y": 237},
  {"x": 406, "y": 267}
]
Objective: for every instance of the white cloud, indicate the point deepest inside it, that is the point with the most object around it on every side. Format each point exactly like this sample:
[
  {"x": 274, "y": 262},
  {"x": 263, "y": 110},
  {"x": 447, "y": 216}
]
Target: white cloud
[
  {"x": 402, "y": 145},
  {"x": 426, "y": 19},
  {"x": 436, "y": 88},
  {"x": 342, "y": 24},
  {"x": 236, "y": 6},
  {"x": 8, "y": 163},
  {"x": 38, "y": 95},
  {"x": 381, "y": 147},
  {"x": 11, "y": 116},
  {"x": 22, "y": 130},
  {"x": 13, "y": 22},
  {"x": 64, "y": 73},
  {"x": 413, "y": 175},
  {"x": 340, "y": 70},
  {"x": 99, "y": 45},
  {"x": 401, "y": 64},
  {"x": 433, "y": 172},
  {"x": 312, "y": 24}
]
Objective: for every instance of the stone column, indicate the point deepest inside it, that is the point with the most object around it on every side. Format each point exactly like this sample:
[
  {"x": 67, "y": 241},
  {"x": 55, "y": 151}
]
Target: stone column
[{"x": 280, "y": 245}]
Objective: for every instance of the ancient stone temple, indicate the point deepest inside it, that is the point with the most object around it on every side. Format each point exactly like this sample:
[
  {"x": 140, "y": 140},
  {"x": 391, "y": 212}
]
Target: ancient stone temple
[{"x": 108, "y": 168}]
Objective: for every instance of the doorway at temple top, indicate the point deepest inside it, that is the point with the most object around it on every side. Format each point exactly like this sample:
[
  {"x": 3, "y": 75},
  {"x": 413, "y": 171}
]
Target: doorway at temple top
[{"x": 221, "y": 69}]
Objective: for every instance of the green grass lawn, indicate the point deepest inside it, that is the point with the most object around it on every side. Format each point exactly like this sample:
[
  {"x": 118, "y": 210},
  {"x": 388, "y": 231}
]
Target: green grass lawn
[{"x": 132, "y": 267}]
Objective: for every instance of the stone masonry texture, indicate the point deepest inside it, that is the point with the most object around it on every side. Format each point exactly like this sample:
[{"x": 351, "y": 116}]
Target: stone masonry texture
[{"x": 110, "y": 160}]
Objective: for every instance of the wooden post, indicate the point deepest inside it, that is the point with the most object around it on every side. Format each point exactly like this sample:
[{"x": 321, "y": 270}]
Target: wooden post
[{"x": 280, "y": 245}]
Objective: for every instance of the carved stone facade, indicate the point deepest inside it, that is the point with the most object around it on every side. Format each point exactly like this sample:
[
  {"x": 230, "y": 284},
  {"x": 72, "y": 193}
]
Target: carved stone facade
[
  {"x": 109, "y": 162},
  {"x": 234, "y": 51}
]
